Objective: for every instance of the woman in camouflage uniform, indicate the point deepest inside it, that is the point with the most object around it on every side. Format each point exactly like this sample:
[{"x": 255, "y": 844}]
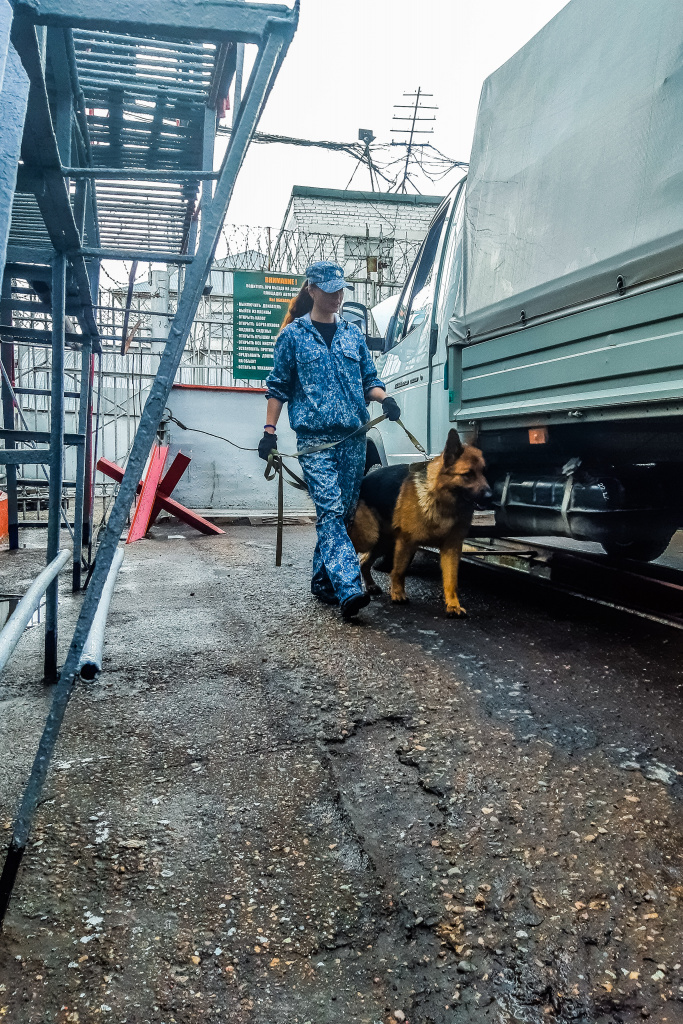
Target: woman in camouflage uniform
[{"x": 325, "y": 373}]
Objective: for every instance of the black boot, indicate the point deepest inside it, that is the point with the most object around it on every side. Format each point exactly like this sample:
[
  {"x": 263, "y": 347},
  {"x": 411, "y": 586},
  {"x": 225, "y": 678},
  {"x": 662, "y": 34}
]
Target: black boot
[{"x": 352, "y": 605}]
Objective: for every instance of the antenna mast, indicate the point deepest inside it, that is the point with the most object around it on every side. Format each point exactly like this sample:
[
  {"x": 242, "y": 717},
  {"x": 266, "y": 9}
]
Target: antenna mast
[{"x": 416, "y": 107}]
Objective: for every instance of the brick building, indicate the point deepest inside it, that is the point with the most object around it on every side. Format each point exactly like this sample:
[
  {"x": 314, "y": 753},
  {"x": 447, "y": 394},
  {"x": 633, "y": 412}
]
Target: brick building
[
  {"x": 375, "y": 236},
  {"x": 342, "y": 212}
]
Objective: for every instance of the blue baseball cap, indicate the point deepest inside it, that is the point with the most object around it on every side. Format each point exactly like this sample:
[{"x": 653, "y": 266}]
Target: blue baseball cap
[{"x": 329, "y": 277}]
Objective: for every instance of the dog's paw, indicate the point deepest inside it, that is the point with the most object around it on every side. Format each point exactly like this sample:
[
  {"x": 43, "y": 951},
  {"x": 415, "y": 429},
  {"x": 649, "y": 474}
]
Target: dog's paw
[
  {"x": 374, "y": 590},
  {"x": 400, "y": 599},
  {"x": 455, "y": 611}
]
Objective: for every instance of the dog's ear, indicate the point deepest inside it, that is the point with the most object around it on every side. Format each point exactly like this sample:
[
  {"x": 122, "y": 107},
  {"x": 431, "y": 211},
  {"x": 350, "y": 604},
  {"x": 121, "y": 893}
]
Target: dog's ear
[{"x": 453, "y": 449}]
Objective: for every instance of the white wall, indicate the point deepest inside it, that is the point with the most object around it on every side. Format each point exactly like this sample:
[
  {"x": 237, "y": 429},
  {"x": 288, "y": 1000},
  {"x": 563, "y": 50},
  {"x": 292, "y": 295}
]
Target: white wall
[
  {"x": 350, "y": 217},
  {"x": 221, "y": 477}
]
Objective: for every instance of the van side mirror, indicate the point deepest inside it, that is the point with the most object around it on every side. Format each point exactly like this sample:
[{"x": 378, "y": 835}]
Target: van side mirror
[
  {"x": 375, "y": 344},
  {"x": 356, "y": 313}
]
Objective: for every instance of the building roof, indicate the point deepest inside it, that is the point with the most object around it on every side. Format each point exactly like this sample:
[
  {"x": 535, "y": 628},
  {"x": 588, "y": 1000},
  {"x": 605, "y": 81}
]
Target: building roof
[{"x": 312, "y": 192}]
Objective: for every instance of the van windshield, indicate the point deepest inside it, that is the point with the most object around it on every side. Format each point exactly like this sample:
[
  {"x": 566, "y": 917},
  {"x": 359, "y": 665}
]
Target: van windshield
[{"x": 419, "y": 290}]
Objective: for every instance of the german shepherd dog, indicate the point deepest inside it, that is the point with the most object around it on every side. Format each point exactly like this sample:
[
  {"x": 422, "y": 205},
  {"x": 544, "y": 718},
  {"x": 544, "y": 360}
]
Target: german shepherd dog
[{"x": 404, "y": 507}]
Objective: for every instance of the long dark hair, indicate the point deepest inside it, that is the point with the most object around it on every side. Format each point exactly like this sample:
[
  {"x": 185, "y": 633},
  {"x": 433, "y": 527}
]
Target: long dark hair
[{"x": 299, "y": 306}]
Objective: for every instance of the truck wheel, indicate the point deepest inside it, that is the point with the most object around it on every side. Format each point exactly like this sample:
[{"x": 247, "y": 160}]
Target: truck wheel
[{"x": 642, "y": 549}]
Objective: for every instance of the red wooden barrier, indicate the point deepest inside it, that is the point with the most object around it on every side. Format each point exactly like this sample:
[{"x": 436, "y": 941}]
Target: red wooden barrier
[{"x": 161, "y": 494}]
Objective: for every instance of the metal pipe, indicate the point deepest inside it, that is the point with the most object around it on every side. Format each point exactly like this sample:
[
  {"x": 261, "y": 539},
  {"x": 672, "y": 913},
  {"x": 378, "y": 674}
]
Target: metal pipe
[
  {"x": 7, "y": 355},
  {"x": 239, "y": 73},
  {"x": 93, "y": 461},
  {"x": 124, "y": 254},
  {"x": 170, "y": 54},
  {"x": 123, "y": 70},
  {"x": 79, "y": 98},
  {"x": 20, "y": 617},
  {"x": 161, "y": 190},
  {"x": 56, "y": 455},
  {"x": 90, "y": 664},
  {"x": 148, "y": 97},
  {"x": 86, "y": 36},
  {"x": 136, "y": 87},
  {"x": 192, "y": 67},
  {"x": 162, "y": 211},
  {"x": 84, "y": 401},
  {"x": 155, "y": 238},
  {"x": 136, "y": 173}
]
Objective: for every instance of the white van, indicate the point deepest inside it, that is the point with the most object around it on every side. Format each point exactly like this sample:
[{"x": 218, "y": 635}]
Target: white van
[{"x": 414, "y": 354}]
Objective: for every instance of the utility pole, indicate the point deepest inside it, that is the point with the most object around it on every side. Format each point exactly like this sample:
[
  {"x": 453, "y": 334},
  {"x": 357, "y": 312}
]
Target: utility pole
[{"x": 416, "y": 107}]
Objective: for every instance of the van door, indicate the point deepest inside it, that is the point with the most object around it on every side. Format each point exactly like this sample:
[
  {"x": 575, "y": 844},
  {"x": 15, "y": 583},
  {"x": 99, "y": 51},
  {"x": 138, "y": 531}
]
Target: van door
[
  {"x": 448, "y": 286},
  {"x": 404, "y": 367}
]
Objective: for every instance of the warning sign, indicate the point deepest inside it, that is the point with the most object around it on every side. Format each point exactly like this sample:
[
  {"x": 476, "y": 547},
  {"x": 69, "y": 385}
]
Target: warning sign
[{"x": 260, "y": 303}]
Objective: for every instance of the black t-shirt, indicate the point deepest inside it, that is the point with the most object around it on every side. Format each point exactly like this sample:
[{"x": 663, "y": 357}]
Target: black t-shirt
[{"x": 327, "y": 331}]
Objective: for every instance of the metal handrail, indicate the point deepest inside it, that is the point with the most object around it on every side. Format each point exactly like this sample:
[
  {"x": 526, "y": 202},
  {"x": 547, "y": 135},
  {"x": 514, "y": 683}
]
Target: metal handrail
[{"x": 20, "y": 617}]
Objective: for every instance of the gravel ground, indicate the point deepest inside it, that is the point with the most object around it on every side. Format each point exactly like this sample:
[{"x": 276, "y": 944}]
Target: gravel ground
[{"x": 261, "y": 815}]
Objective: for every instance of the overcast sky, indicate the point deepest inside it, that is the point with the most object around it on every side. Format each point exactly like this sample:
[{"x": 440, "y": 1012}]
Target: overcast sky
[{"x": 350, "y": 62}]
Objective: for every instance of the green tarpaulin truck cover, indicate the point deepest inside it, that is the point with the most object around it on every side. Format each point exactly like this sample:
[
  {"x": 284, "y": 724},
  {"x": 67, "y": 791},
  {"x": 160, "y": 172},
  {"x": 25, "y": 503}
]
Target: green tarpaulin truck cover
[{"x": 576, "y": 173}]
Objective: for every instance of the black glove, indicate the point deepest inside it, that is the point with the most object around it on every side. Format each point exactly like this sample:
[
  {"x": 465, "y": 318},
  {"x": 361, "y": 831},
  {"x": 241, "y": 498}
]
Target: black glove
[
  {"x": 390, "y": 408},
  {"x": 266, "y": 445}
]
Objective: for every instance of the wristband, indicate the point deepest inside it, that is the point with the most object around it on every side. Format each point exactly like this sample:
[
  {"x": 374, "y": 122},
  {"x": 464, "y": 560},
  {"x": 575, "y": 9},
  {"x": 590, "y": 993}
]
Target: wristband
[{"x": 271, "y": 425}]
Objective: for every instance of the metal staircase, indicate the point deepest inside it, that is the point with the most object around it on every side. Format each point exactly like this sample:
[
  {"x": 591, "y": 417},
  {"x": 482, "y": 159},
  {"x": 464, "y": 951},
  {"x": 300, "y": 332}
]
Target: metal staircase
[{"x": 117, "y": 128}]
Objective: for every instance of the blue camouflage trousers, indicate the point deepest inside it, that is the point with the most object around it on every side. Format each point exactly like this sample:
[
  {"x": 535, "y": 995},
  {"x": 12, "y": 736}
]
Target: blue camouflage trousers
[{"x": 333, "y": 478}]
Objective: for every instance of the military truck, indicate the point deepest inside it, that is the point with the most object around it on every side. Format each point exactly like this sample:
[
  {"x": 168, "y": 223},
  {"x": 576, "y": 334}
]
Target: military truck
[{"x": 543, "y": 316}]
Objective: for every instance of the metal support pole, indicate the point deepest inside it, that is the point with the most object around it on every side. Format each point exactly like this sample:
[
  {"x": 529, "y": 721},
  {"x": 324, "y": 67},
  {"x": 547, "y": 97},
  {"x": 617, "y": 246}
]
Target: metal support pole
[
  {"x": 7, "y": 357},
  {"x": 64, "y": 104},
  {"x": 237, "y": 94},
  {"x": 56, "y": 458},
  {"x": 208, "y": 143},
  {"x": 150, "y": 256},
  {"x": 88, "y": 489},
  {"x": 92, "y": 461},
  {"x": 260, "y": 82},
  {"x": 83, "y": 405},
  {"x": 138, "y": 173}
]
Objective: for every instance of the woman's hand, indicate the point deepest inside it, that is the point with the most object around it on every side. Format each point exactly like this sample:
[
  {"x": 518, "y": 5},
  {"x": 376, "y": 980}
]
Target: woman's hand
[
  {"x": 390, "y": 409},
  {"x": 266, "y": 445}
]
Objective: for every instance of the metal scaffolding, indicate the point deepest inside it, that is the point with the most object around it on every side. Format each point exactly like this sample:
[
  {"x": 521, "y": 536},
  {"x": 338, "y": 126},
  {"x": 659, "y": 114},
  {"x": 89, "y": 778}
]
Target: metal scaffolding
[{"x": 116, "y": 162}]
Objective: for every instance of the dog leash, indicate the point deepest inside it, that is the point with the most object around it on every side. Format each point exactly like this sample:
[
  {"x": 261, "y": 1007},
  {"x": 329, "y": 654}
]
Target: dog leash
[{"x": 275, "y": 467}]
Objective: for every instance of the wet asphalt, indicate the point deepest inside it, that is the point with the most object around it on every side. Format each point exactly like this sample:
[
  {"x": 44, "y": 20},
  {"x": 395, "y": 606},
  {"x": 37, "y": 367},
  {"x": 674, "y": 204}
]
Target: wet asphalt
[{"x": 259, "y": 814}]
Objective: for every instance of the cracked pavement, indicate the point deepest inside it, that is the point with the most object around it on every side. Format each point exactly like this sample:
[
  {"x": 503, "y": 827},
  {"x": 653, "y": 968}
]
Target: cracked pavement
[{"x": 263, "y": 815}]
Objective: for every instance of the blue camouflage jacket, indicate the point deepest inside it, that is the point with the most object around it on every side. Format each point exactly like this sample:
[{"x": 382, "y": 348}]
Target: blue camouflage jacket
[{"x": 325, "y": 388}]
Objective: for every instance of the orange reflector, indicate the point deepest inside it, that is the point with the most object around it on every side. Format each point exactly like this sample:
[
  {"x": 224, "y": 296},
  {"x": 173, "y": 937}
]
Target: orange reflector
[{"x": 538, "y": 435}]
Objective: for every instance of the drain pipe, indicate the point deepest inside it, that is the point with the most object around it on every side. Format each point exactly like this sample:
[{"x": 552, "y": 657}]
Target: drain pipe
[
  {"x": 21, "y": 616},
  {"x": 90, "y": 664}
]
